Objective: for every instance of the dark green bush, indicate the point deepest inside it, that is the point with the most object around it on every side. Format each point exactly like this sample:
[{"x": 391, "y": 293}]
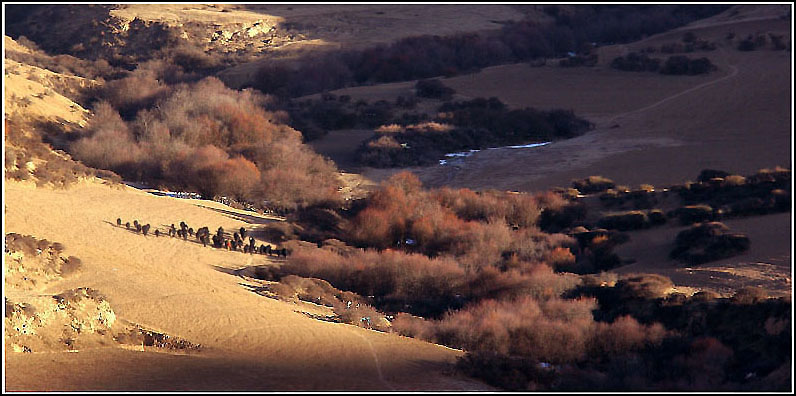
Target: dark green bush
[
  {"x": 708, "y": 242},
  {"x": 625, "y": 221},
  {"x": 694, "y": 214},
  {"x": 593, "y": 184},
  {"x": 434, "y": 89}
]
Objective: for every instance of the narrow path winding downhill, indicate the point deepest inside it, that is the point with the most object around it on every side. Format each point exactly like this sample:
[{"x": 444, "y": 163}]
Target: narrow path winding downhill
[
  {"x": 733, "y": 73},
  {"x": 376, "y": 361}
]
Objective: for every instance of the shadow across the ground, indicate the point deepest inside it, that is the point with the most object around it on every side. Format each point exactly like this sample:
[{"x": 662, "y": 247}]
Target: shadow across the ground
[{"x": 251, "y": 219}]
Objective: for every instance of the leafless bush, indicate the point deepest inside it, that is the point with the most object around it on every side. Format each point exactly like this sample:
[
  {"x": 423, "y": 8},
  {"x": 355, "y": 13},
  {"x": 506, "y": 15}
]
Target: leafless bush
[{"x": 207, "y": 138}]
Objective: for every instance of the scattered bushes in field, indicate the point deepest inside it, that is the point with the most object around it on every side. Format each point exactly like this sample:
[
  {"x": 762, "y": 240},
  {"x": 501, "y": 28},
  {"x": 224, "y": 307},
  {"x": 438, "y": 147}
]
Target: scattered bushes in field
[
  {"x": 32, "y": 261},
  {"x": 777, "y": 41},
  {"x": 756, "y": 41},
  {"x": 425, "y": 57},
  {"x": 733, "y": 195},
  {"x": 27, "y": 157},
  {"x": 689, "y": 43},
  {"x": 741, "y": 341},
  {"x": 708, "y": 242},
  {"x": 62, "y": 64},
  {"x": 674, "y": 65},
  {"x": 534, "y": 328}
]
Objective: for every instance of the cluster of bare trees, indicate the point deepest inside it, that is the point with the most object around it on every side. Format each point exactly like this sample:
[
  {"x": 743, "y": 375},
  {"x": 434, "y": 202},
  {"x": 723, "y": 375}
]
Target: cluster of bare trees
[{"x": 206, "y": 138}]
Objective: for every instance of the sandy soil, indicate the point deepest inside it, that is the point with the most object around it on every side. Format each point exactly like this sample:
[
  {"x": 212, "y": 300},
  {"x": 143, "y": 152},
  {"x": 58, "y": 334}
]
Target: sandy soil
[
  {"x": 35, "y": 92},
  {"x": 250, "y": 342},
  {"x": 359, "y": 25}
]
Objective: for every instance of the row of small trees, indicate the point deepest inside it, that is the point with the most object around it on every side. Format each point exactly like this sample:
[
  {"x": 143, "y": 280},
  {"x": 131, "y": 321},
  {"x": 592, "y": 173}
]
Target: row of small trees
[
  {"x": 431, "y": 56},
  {"x": 674, "y": 65}
]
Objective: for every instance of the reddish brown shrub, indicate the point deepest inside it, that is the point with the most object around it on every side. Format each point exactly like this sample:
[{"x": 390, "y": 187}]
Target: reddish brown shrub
[
  {"x": 138, "y": 91},
  {"x": 395, "y": 279},
  {"x": 269, "y": 166},
  {"x": 624, "y": 334}
]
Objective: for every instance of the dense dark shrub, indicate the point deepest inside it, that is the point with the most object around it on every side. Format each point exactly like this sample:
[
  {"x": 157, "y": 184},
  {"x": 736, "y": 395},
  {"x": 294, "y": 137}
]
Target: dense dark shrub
[
  {"x": 593, "y": 184},
  {"x": 747, "y": 45},
  {"x": 579, "y": 60},
  {"x": 749, "y": 295},
  {"x": 432, "y": 56},
  {"x": 708, "y": 174},
  {"x": 694, "y": 214},
  {"x": 636, "y": 62},
  {"x": 735, "y": 195},
  {"x": 328, "y": 115},
  {"x": 777, "y": 41},
  {"x": 556, "y": 219},
  {"x": 683, "y": 65},
  {"x": 522, "y": 343},
  {"x": 625, "y": 221},
  {"x": 690, "y": 43},
  {"x": 656, "y": 217},
  {"x": 715, "y": 342},
  {"x": 396, "y": 280},
  {"x": 708, "y": 242},
  {"x": 515, "y": 373},
  {"x": 469, "y": 125},
  {"x": 434, "y": 89},
  {"x": 646, "y": 286}
]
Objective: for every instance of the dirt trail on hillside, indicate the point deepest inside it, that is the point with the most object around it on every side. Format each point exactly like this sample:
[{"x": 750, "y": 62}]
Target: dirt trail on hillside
[{"x": 177, "y": 287}]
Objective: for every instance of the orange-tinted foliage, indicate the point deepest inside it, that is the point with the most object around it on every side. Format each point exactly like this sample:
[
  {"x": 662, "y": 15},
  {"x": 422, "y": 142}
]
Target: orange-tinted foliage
[{"x": 168, "y": 144}]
